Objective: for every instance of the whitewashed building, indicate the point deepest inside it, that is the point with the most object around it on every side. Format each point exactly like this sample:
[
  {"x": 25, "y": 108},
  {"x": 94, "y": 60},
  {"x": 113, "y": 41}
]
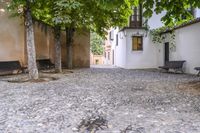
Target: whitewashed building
[
  {"x": 132, "y": 45},
  {"x": 187, "y": 45},
  {"x": 108, "y": 53},
  {"x": 133, "y": 48}
]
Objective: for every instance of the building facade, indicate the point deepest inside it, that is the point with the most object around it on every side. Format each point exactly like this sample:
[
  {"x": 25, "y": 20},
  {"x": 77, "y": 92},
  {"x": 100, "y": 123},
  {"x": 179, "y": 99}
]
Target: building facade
[
  {"x": 133, "y": 47},
  {"x": 108, "y": 52},
  {"x": 186, "y": 46},
  {"x": 96, "y": 59}
]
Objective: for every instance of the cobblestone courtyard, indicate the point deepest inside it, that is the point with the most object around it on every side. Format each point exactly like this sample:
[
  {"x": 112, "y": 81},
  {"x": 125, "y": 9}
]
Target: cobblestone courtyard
[{"x": 102, "y": 101}]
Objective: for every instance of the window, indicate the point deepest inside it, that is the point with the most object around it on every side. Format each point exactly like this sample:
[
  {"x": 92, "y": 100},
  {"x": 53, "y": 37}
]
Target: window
[
  {"x": 137, "y": 43},
  {"x": 108, "y": 55},
  {"x": 136, "y": 17},
  {"x": 111, "y": 35},
  {"x": 117, "y": 40}
]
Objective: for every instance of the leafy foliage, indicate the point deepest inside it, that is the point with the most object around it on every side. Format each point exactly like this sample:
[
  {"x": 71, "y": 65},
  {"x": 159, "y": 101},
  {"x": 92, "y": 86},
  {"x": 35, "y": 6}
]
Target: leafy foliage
[
  {"x": 156, "y": 34},
  {"x": 94, "y": 15},
  {"x": 96, "y": 44},
  {"x": 159, "y": 38},
  {"x": 100, "y": 15},
  {"x": 174, "y": 9}
]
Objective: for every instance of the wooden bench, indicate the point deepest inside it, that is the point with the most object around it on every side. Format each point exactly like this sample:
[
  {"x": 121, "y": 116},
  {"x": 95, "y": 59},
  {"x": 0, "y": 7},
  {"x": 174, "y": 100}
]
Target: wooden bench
[
  {"x": 44, "y": 64},
  {"x": 198, "y": 69},
  {"x": 9, "y": 67},
  {"x": 174, "y": 65}
]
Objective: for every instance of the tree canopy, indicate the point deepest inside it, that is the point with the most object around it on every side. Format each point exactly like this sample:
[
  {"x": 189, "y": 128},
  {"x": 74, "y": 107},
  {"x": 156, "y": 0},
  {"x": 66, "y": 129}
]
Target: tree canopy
[
  {"x": 94, "y": 15},
  {"x": 174, "y": 9},
  {"x": 100, "y": 15},
  {"x": 96, "y": 42}
]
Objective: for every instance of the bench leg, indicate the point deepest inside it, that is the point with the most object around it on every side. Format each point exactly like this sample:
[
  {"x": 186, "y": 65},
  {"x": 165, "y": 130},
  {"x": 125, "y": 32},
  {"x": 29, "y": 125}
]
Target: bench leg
[
  {"x": 198, "y": 73},
  {"x": 175, "y": 71},
  {"x": 163, "y": 70},
  {"x": 182, "y": 71}
]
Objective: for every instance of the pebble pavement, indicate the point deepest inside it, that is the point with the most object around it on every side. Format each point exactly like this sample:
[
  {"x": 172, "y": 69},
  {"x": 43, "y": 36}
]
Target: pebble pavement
[{"x": 102, "y": 101}]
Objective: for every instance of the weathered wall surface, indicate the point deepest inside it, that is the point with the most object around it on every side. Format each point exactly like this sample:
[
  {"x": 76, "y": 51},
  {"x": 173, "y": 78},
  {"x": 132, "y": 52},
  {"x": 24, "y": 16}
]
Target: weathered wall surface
[
  {"x": 44, "y": 41},
  {"x": 12, "y": 42},
  {"x": 41, "y": 41},
  {"x": 11, "y": 38},
  {"x": 81, "y": 50}
]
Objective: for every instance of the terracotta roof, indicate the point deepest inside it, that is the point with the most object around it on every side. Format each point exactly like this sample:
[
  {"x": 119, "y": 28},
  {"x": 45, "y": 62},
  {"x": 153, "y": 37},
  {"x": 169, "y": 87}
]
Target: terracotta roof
[{"x": 194, "y": 21}]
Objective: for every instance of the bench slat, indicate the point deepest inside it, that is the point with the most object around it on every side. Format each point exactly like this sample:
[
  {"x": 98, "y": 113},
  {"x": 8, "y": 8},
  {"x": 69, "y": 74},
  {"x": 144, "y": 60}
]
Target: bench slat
[
  {"x": 176, "y": 65},
  {"x": 198, "y": 69}
]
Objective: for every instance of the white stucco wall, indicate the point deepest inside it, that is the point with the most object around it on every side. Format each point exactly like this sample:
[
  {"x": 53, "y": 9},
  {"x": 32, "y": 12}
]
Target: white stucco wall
[
  {"x": 147, "y": 58},
  {"x": 188, "y": 47},
  {"x": 120, "y": 51},
  {"x": 151, "y": 56},
  {"x": 197, "y": 13},
  {"x": 160, "y": 54},
  {"x": 117, "y": 58}
]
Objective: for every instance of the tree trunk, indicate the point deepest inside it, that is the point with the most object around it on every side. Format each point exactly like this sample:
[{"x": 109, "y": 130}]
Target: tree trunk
[
  {"x": 69, "y": 43},
  {"x": 32, "y": 66},
  {"x": 57, "y": 36}
]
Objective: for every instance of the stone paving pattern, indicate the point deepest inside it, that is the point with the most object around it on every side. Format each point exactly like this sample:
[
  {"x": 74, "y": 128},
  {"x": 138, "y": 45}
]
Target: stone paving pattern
[{"x": 123, "y": 101}]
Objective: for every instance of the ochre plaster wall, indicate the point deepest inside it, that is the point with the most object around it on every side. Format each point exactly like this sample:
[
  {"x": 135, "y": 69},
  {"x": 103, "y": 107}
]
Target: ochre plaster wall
[
  {"x": 81, "y": 50},
  {"x": 11, "y": 38},
  {"x": 41, "y": 41},
  {"x": 44, "y": 41},
  {"x": 12, "y": 43}
]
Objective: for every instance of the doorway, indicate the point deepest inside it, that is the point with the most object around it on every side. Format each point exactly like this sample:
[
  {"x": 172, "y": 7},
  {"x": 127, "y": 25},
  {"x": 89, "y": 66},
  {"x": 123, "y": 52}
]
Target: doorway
[{"x": 166, "y": 52}]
